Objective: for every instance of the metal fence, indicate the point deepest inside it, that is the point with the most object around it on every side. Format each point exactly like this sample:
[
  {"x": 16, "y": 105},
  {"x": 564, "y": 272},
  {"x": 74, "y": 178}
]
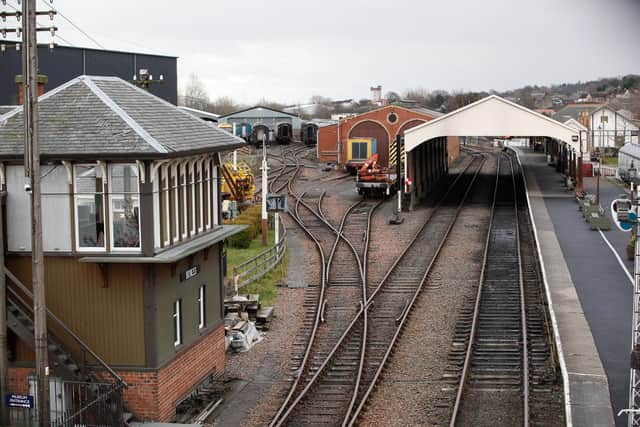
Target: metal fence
[
  {"x": 90, "y": 394},
  {"x": 253, "y": 269},
  {"x": 604, "y": 170},
  {"x": 75, "y": 403}
]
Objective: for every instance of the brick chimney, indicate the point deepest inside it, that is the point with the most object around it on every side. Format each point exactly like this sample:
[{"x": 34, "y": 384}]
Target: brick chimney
[{"x": 42, "y": 80}]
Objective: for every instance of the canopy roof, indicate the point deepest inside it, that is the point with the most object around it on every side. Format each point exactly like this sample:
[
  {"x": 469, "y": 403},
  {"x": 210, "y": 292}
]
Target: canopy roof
[{"x": 492, "y": 116}]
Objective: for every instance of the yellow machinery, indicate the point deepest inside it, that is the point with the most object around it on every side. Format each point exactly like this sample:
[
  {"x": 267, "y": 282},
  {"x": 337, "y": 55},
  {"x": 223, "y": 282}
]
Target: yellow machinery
[
  {"x": 239, "y": 183},
  {"x": 226, "y": 126}
]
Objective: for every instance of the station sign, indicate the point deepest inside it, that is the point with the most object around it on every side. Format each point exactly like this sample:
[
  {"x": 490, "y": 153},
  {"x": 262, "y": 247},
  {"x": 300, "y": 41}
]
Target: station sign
[
  {"x": 277, "y": 203},
  {"x": 624, "y": 214},
  {"x": 190, "y": 273},
  {"x": 18, "y": 401},
  {"x": 574, "y": 138}
]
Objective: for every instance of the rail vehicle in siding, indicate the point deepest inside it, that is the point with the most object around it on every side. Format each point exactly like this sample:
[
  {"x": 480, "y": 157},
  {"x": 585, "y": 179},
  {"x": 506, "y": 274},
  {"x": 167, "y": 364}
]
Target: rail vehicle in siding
[
  {"x": 373, "y": 180},
  {"x": 243, "y": 130},
  {"x": 310, "y": 133},
  {"x": 284, "y": 133},
  {"x": 259, "y": 133},
  {"x": 358, "y": 151}
]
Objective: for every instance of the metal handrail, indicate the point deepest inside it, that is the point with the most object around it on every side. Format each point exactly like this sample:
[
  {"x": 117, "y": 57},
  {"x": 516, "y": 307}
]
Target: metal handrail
[
  {"x": 276, "y": 253},
  {"x": 61, "y": 324}
]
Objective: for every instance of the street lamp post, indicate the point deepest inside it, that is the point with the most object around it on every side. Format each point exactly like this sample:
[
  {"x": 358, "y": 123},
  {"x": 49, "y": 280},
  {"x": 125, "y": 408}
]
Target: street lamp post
[{"x": 600, "y": 151}]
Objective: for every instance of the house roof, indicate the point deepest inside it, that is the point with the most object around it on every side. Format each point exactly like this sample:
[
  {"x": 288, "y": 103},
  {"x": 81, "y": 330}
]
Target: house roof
[
  {"x": 576, "y": 125},
  {"x": 631, "y": 149},
  {"x": 199, "y": 113},
  {"x": 6, "y": 108},
  {"x": 427, "y": 111},
  {"x": 572, "y": 111},
  {"x": 256, "y": 108},
  {"x": 626, "y": 114},
  {"x": 109, "y": 117}
]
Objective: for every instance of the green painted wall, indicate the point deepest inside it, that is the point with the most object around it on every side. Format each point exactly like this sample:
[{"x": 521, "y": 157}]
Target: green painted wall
[{"x": 168, "y": 288}]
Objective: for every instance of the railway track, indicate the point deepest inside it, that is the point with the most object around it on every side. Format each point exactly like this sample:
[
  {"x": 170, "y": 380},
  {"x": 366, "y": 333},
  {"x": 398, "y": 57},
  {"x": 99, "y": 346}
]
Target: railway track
[
  {"x": 290, "y": 165},
  {"x": 342, "y": 249},
  {"x": 502, "y": 358},
  {"x": 341, "y": 384}
]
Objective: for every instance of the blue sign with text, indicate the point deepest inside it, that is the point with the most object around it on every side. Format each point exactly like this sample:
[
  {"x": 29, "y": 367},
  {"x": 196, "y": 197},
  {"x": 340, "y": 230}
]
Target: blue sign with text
[{"x": 19, "y": 401}]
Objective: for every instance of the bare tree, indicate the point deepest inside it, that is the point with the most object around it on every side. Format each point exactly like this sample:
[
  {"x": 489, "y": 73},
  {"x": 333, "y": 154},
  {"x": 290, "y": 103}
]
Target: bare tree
[
  {"x": 271, "y": 104},
  {"x": 322, "y": 100},
  {"x": 420, "y": 95},
  {"x": 223, "y": 105},
  {"x": 195, "y": 95},
  {"x": 392, "y": 97}
]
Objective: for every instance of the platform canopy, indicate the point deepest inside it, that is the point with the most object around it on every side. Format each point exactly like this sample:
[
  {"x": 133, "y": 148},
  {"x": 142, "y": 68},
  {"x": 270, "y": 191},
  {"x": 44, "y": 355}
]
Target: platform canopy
[{"x": 492, "y": 116}]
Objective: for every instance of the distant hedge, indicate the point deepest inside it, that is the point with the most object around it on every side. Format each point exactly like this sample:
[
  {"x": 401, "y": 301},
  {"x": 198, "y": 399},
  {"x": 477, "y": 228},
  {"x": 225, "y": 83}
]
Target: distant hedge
[{"x": 252, "y": 218}]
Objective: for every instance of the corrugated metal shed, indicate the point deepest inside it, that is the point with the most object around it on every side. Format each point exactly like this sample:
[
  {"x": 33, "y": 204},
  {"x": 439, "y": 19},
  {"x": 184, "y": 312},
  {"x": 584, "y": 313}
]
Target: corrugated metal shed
[{"x": 65, "y": 63}]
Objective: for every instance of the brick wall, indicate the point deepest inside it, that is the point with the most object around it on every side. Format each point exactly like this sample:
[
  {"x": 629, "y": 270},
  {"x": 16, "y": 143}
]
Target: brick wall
[
  {"x": 328, "y": 135},
  {"x": 327, "y": 143},
  {"x": 18, "y": 383},
  {"x": 453, "y": 148},
  {"x": 152, "y": 395}
]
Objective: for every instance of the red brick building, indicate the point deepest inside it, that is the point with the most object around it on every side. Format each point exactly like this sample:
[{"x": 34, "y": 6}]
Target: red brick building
[{"x": 383, "y": 124}]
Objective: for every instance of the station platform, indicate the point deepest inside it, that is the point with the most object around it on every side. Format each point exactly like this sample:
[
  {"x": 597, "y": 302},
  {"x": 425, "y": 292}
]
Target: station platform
[{"x": 590, "y": 291}]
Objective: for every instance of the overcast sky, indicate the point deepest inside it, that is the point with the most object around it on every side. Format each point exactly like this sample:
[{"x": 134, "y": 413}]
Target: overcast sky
[{"x": 288, "y": 50}]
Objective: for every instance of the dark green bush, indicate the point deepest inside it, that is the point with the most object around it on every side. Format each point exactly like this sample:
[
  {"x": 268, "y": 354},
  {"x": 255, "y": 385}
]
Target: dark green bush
[
  {"x": 241, "y": 240},
  {"x": 252, "y": 218}
]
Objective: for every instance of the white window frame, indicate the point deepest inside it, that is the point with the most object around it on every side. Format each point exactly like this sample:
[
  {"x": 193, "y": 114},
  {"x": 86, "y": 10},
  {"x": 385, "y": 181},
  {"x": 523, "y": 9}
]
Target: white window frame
[
  {"x": 176, "y": 204},
  {"x": 75, "y": 211},
  {"x": 192, "y": 184},
  {"x": 208, "y": 186},
  {"x": 165, "y": 170},
  {"x": 185, "y": 198},
  {"x": 157, "y": 226},
  {"x": 177, "y": 322},
  {"x": 202, "y": 318},
  {"x": 201, "y": 195},
  {"x": 216, "y": 196},
  {"x": 111, "y": 227}
]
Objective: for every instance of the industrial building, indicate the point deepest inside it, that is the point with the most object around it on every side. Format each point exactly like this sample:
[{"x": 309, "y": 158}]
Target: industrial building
[
  {"x": 64, "y": 63},
  {"x": 382, "y": 124},
  {"x": 257, "y": 122},
  {"x": 133, "y": 247}
]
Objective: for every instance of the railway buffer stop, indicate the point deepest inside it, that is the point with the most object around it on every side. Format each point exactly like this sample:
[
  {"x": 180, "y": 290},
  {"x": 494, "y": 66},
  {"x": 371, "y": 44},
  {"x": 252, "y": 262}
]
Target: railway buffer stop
[{"x": 587, "y": 400}]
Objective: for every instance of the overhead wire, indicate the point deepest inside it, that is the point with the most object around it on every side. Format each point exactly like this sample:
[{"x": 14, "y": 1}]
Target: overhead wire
[
  {"x": 66, "y": 18},
  {"x": 58, "y": 36}
]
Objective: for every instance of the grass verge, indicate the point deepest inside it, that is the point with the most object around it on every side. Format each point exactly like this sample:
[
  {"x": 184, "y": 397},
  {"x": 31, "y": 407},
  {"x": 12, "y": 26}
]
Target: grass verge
[{"x": 266, "y": 286}]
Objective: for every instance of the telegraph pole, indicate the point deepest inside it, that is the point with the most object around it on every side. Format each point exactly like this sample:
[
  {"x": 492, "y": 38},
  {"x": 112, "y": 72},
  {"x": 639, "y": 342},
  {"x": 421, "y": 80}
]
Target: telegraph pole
[
  {"x": 27, "y": 40},
  {"x": 32, "y": 172}
]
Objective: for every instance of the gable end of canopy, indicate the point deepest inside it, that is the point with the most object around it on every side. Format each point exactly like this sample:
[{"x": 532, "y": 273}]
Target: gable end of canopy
[{"x": 492, "y": 116}]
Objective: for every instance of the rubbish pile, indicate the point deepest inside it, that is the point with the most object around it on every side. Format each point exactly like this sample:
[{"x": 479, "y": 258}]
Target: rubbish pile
[{"x": 244, "y": 321}]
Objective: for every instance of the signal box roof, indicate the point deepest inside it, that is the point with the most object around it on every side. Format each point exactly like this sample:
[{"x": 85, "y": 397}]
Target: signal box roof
[{"x": 107, "y": 117}]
